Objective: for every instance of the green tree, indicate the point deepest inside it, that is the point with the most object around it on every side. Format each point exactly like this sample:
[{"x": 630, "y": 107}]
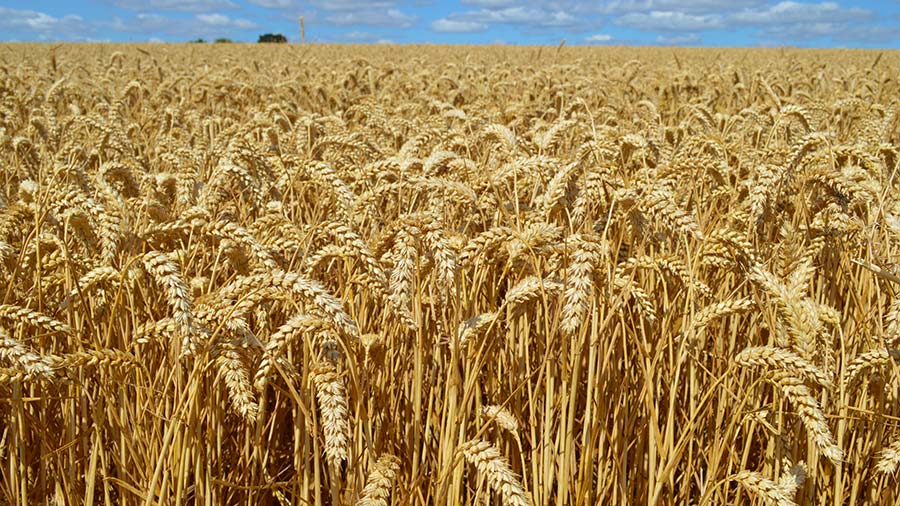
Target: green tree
[
  {"x": 272, "y": 37},
  {"x": 223, "y": 40}
]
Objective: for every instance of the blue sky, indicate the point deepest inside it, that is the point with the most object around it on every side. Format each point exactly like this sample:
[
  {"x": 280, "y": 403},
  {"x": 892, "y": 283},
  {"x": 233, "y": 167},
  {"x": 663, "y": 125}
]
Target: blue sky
[{"x": 630, "y": 22}]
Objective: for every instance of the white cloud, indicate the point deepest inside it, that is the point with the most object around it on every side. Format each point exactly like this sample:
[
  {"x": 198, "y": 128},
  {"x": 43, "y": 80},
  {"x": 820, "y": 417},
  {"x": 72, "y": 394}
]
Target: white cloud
[
  {"x": 273, "y": 4},
  {"x": 599, "y": 37},
  {"x": 453, "y": 26},
  {"x": 352, "y": 5},
  {"x": 202, "y": 25},
  {"x": 785, "y": 13},
  {"x": 345, "y": 13},
  {"x": 327, "y": 5},
  {"x": 390, "y": 17},
  {"x": 522, "y": 15},
  {"x": 617, "y": 7},
  {"x": 678, "y": 40},
  {"x": 557, "y": 18},
  {"x": 223, "y": 21},
  {"x": 880, "y": 35},
  {"x": 806, "y": 31},
  {"x": 244, "y": 24},
  {"x": 365, "y": 37},
  {"x": 142, "y": 23},
  {"x": 359, "y": 36},
  {"x": 789, "y": 21},
  {"x": 666, "y": 21},
  {"x": 490, "y": 4},
  {"x": 175, "y": 5},
  {"x": 683, "y": 6},
  {"x": 528, "y": 16},
  {"x": 34, "y": 25},
  {"x": 214, "y": 19},
  {"x": 839, "y": 32}
]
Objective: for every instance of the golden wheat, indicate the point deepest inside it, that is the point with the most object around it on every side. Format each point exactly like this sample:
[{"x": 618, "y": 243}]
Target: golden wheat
[{"x": 236, "y": 274}]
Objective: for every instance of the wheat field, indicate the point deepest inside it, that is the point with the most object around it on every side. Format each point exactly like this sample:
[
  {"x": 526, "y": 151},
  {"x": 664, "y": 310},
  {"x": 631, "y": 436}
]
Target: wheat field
[{"x": 312, "y": 275}]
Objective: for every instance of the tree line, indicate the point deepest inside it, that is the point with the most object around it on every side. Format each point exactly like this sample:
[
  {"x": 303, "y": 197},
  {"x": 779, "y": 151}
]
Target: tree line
[{"x": 266, "y": 37}]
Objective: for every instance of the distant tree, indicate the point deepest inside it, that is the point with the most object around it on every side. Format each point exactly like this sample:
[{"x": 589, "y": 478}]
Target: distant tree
[
  {"x": 272, "y": 37},
  {"x": 198, "y": 41},
  {"x": 223, "y": 40}
]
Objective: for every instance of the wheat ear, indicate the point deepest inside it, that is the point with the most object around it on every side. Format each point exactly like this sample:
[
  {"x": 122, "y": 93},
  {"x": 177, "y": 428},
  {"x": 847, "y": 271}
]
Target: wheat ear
[
  {"x": 32, "y": 317},
  {"x": 785, "y": 360},
  {"x": 380, "y": 481},
  {"x": 333, "y": 407},
  {"x": 167, "y": 275},
  {"x": 503, "y": 417},
  {"x": 232, "y": 369},
  {"x": 22, "y": 359},
  {"x": 889, "y": 458},
  {"x": 810, "y": 413},
  {"x": 495, "y": 468},
  {"x": 767, "y": 490}
]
